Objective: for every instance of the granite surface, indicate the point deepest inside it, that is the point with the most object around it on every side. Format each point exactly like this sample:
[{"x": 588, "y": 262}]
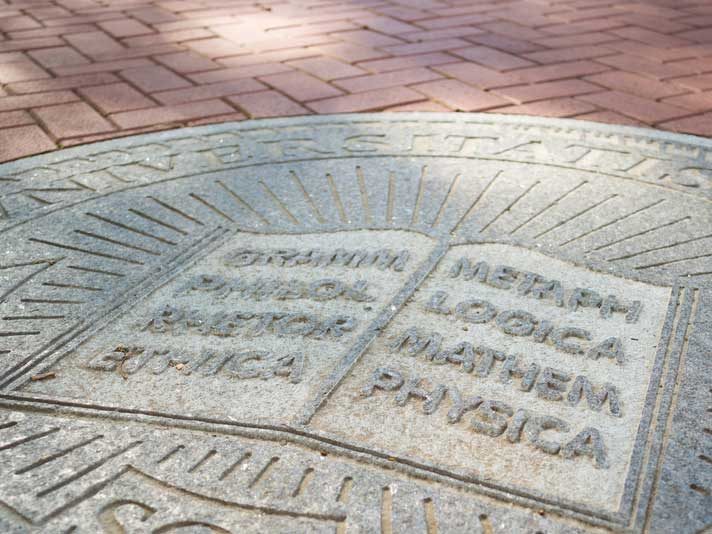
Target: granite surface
[{"x": 359, "y": 323}]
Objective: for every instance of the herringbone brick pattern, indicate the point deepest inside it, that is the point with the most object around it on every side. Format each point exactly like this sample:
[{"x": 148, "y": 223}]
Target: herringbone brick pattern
[{"x": 73, "y": 71}]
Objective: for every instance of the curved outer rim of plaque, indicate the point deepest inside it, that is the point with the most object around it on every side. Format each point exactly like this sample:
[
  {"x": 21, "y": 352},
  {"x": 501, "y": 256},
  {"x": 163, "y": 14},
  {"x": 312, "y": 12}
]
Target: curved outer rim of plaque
[{"x": 597, "y": 129}]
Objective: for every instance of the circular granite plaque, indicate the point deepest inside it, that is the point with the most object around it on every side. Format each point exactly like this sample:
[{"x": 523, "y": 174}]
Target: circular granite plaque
[{"x": 371, "y": 323}]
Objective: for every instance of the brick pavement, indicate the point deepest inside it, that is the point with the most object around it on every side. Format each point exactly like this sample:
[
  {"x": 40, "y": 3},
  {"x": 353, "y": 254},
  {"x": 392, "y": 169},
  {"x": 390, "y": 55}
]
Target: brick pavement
[{"x": 75, "y": 71}]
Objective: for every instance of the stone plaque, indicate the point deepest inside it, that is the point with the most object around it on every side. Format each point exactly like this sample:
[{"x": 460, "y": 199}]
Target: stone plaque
[{"x": 373, "y": 323}]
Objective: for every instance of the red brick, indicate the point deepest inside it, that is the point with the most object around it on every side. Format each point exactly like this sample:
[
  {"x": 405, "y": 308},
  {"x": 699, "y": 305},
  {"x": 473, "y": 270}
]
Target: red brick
[
  {"x": 171, "y": 114},
  {"x": 633, "y": 106},
  {"x": 489, "y": 57},
  {"x": 695, "y": 101},
  {"x": 427, "y": 46},
  {"x": 510, "y": 29},
  {"x": 15, "y": 118},
  {"x": 11, "y": 57},
  {"x": 214, "y": 48},
  {"x": 389, "y": 79},
  {"x": 301, "y": 86},
  {"x": 67, "y": 82},
  {"x": 29, "y": 44},
  {"x": 267, "y": 104},
  {"x": 652, "y": 69},
  {"x": 154, "y": 78},
  {"x": 578, "y": 40},
  {"x": 23, "y": 141},
  {"x": 367, "y": 38},
  {"x": 125, "y": 28},
  {"x": 693, "y": 82},
  {"x": 108, "y": 66},
  {"x": 71, "y": 120},
  {"x": 167, "y": 37},
  {"x": 522, "y": 94},
  {"x": 40, "y": 33},
  {"x": 115, "y": 97},
  {"x": 429, "y": 35},
  {"x": 62, "y": 56},
  {"x": 326, "y": 68},
  {"x": 153, "y": 15},
  {"x": 184, "y": 62},
  {"x": 387, "y": 25},
  {"x": 249, "y": 71},
  {"x": 583, "y": 27},
  {"x": 502, "y": 42},
  {"x": 698, "y": 125},
  {"x": 9, "y": 24},
  {"x": 420, "y": 106},
  {"x": 40, "y": 99},
  {"x": 460, "y": 96},
  {"x": 269, "y": 57},
  {"x": 406, "y": 62},
  {"x": 349, "y": 52},
  {"x": 368, "y": 101},
  {"x": 480, "y": 76},
  {"x": 228, "y": 117},
  {"x": 703, "y": 35},
  {"x": 20, "y": 71},
  {"x": 635, "y": 84},
  {"x": 206, "y": 92},
  {"x": 560, "y": 107},
  {"x": 448, "y": 22},
  {"x": 609, "y": 117},
  {"x": 94, "y": 43},
  {"x": 650, "y": 37},
  {"x": 569, "y": 54},
  {"x": 573, "y": 69}
]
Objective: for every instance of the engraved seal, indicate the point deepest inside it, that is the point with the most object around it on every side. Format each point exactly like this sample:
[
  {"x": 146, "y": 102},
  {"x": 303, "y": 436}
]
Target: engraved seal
[{"x": 395, "y": 323}]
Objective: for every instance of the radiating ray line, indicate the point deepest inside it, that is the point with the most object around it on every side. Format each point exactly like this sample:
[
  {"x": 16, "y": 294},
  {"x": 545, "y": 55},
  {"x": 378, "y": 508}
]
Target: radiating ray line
[
  {"x": 32, "y": 317},
  {"x": 547, "y": 207},
  {"x": 263, "y": 472},
  {"x": 131, "y": 229},
  {"x": 367, "y": 219},
  {"x": 669, "y": 262},
  {"x": 72, "y": 286},
  {"x": 243, "y": 203},
  {"x": 576, "y": 216},
  {"x": 24, "y": 280},
  {"x": 643, "y": 232},
  {"x": 95, "y": 270},
  {"x": 509, "y": 207},
  {"x": 56, "y": 455},
  {"x": 3, "y": 211},
  {"x": 20, "y": 334},
  {"x": 113, "y": 241},
  {"x": 441, "y": 211},
  {"x": 177, "y": 211},
  {"x": 85, "y": 251},
  {"x": 419, "y": 198},
  {"x": 279, "y": 203},
  {"x": 661, "y": 247},
  {"x": 391, "y": 197},
  {"x": 157, "y": 221},
  {"x": 212, "y": 208},
  {"x": 88, "y": 469},
  {"x": 231, "y": 468},
  {"x": 306, "y": 477},
  {"x": 29, "y": 438},
  {"x": 307, "y": 197},
  {"x": 479, "y": 196},
  {"x": 614, "y": 221},
  {"x": 202, "y": 461},
  {"x": 337, "y": 199},
  {"x": 52, "y": 301}
]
